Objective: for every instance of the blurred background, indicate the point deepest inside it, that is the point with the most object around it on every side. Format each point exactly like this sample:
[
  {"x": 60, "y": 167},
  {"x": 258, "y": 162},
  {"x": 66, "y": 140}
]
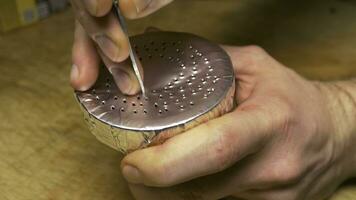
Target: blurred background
[{"x": 46, "y": 151}]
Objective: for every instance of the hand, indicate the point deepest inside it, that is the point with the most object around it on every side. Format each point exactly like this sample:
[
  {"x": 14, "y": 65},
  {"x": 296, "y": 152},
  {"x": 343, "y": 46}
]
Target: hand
[
  {"x": 281, "y": 143},
  {"x": 98, "y": 34}
]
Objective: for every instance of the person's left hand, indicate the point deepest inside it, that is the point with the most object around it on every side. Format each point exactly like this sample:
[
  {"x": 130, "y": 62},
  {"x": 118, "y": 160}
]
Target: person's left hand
[{"x": 281, "y": 143}]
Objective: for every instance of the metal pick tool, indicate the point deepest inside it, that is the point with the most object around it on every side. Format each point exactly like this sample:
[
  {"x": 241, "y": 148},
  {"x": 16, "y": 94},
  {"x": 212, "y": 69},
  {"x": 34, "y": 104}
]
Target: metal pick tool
[
  {"x": 188, "y": 81},
  {"x": 135, "y": 62}
]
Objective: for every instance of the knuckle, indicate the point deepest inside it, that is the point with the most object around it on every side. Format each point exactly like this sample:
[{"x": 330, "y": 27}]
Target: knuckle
[
  {"x": 253, "y": 56},
  {"x": 284, "y": 117},
  {"x": 222, "y": 154},
  {"x": 282, "y": 113},
  {"x": 288, "y": 172}
]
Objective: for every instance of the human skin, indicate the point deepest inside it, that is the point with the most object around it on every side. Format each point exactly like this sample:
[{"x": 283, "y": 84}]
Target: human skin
[
  {"x": 288, "y": 139},
  {"x": 99, "y": 37}
]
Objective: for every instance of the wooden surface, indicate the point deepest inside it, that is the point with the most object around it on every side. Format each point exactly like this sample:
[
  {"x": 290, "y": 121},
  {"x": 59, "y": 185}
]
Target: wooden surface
[{"x": 46, "y": 150}]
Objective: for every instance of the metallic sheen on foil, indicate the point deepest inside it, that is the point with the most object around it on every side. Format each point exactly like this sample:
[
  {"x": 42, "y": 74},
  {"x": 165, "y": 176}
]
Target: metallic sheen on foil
[{"x": 186, "y": 77}]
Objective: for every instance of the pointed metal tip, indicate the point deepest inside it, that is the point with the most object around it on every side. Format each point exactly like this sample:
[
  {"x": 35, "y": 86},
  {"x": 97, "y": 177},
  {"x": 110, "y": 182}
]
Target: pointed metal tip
[{"x": 135, "y": 61}]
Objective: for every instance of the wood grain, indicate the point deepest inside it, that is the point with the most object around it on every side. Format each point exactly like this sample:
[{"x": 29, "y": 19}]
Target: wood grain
[{"x": 46, "y": 150}]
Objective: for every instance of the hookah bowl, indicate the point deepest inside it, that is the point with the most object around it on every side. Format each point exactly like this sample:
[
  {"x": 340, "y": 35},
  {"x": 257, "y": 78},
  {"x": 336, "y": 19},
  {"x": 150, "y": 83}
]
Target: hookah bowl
[{"x": 189, "y": 80}]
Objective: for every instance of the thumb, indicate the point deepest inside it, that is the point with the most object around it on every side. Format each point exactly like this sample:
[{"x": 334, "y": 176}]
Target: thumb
[{"x": 206, "y": 149}]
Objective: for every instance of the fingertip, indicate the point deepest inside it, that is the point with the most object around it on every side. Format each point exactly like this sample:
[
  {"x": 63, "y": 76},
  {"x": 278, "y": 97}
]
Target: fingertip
[
  {"x": 124, "y": 80},
  {"x": 128, "y": 8},
  {"x": 82, "y": 79},
  {"x": 75, "y": 79},
  {"x": 144, "y": 167},
  {"x": 122, "y": 74},
  {"x": 132, "y": 174},
  {"x": 134, "y": 9},
  {"x": 133, "y": 91},
  {"x": 129, "y": 165},
  {"x": 84, "y": 72},
  {"x": 85, "y": 68}
]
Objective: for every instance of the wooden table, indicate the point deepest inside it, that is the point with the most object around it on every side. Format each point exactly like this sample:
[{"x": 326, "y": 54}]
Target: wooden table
[{"x": 46, "y": 150}]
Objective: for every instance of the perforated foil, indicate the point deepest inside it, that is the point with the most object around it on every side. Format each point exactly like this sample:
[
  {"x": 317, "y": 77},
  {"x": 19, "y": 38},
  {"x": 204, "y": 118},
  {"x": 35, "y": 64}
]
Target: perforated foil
[{"x": 188, "y": 81}]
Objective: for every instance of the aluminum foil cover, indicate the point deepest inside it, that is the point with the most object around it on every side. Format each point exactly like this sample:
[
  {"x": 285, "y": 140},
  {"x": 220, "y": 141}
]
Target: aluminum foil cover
[{"x": 188, "y": 81}]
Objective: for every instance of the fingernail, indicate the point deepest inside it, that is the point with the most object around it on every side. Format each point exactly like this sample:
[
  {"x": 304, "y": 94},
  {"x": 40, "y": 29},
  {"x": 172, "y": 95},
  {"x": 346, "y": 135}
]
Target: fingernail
[
  {"x": 74, "y": 73},
  {"x": 91, "y": 6},
  {"x": 132, "y": 174},
  {"x": 141, "y": 5},
  {"x": 75, "y": 79},
  {"x": 108, "y": 46},
  {"x": 122, "y": 79}
]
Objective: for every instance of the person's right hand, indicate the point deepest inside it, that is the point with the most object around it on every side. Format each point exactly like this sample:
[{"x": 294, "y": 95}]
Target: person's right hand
[{"x": 98, "y": 36}]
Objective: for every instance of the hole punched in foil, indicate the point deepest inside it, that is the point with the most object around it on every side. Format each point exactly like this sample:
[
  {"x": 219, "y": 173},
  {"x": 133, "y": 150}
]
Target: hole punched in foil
[{"x": 188, "y": 80}]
